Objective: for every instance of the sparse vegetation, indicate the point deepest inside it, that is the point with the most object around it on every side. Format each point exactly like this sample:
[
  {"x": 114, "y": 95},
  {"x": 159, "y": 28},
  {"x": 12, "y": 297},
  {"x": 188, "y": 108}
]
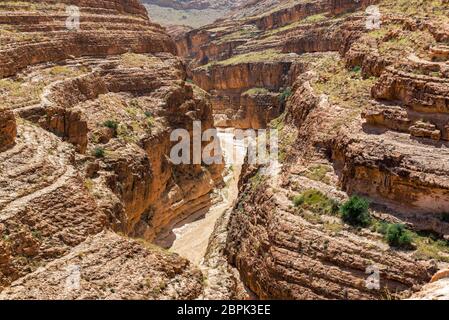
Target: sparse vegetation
[
  {"x": 189, "y": 17},
  {"x": 257, "y": 180},
  {"x": 318, "y": 173},
  {"x": 99, "y": 152},
  {"x": 134, "y": 60},
  {"x": 316, "y": 201},
  {"x": 310, "y": 19},
  {"x": 344, "y": 88},
  {"x": 356, "y": 69},
  {"x": 398, "y": 236},
  {"x": 251, "y": 57},
  {"x": 285, "y": 95},
  {"x": 355, "y": 212},
  {"x": 430, "y": 247},
  {"x": 89, "y": 184},
  {"x": 247, "y": 32},
  {"x": 111, "y": 124},
  {"x": 62, "y": 71},
  {"x": 16, "y": 93}
]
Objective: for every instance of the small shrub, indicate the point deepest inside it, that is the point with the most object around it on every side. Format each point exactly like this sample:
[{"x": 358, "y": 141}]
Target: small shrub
[
  {"x": 380, "y": 227},
  {"x": 316, "y": 201},
  {"x": 134, "y": 104},
  {"x": 355, "y": 212},
  {"x": 111, "y": 124},
  {"x": 150, "y": 119},
  {"x": 398, "y": 236},
  {"x": 285, "y": 95},
  {"x": 148, "y": 114},
  {"x": 99, "y": 153},
  {"x": 89, "y": 184},
  {"x": 356, "y": 69}
]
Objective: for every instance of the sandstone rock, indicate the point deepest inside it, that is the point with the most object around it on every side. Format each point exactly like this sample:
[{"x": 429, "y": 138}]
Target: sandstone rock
[
  {"x": 92, "y": 151},
  {"x": 109, "y": 266},
  {"x": 435, "y": 291},
  {"x": 8, "y": 129},
  {"x": 425, "y": 130}
]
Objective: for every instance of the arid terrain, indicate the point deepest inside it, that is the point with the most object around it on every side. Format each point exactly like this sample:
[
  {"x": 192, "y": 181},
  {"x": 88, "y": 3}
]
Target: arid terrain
[
  {"x": 189, "y": 14},
  {"x": 355, "y": 206}
]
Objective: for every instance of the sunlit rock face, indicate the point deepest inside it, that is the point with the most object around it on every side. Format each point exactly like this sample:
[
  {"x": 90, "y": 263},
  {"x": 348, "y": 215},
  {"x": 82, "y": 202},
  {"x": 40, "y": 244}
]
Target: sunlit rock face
[
  {"x": 85, "y": 128},
  {"x": 363, "y": 106}
]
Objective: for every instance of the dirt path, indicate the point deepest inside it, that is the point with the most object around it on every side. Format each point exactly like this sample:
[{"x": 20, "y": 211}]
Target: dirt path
[{"x": 192, "y": 235}]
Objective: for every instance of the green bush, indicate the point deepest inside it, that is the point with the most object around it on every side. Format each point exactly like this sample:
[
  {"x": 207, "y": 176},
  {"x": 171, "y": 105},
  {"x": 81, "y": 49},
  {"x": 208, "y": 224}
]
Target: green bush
[
  {"x": 316, "y": 201},
  {"x": 355, "y": 212},
  {"x": 285, "y": 95},
  {"x": 398, "y": 236},
  {"x": 99, "y": 152},
  {"x": 111, "y": 124},
  {"x": 356, "y": 69}
]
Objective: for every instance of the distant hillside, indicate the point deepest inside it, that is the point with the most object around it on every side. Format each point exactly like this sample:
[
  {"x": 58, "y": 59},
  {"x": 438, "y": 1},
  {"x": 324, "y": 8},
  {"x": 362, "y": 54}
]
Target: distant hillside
[
  {"x": 195, "y": 4},
  {"x": 193, "y": 13}
]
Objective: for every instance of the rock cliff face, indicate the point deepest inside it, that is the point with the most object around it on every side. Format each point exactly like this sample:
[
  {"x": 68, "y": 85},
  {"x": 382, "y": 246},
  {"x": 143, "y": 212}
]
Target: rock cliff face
[
  {"x": 85, "y": 132},
  {"x": 85, "y": 126},
  {"x": 364, "y": 114},
  {"x": 8, "y": 129},
  {"x": 256, "y": 49},
  {"x": 438, "y": 289},
  {"x": 134, "y": 272}
]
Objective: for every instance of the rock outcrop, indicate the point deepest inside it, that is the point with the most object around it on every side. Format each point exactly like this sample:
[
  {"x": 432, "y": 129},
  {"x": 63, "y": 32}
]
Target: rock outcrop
[
  {"x": 368, "y": 119},
  {"x": 437, "y": 289},
  {"x": 8, "y": 129},
  {"x": 95, "y": 109},
  {"x": 109, "y": 266},
  {"x": 255, "y": 49}
]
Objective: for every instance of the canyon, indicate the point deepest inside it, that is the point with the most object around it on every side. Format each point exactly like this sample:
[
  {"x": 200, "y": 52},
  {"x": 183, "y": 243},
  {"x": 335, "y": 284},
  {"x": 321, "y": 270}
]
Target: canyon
[{"x": 92, "y": 206}]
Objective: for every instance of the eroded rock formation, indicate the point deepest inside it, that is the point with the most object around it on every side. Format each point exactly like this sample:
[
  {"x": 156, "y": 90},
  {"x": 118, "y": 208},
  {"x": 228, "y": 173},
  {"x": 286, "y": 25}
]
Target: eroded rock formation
[
  {"x": 254, "y": 51},
  {"x": 134, "y": 272},
  {"x": 365, "y": 115},
  {"x": 94, "y": 109},
  {"x": 8, "y": 129}
]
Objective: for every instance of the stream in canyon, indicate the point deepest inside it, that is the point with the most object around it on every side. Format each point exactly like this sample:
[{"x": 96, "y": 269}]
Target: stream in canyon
[{"x": 190, "y": 237}]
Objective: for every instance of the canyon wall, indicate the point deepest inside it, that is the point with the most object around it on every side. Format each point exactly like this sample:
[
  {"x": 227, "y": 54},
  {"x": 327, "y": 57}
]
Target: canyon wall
[
  {"x": 84, "y": 139},
  {"x": 364, "y": 115},
  {"x": 243, "y": 54}
]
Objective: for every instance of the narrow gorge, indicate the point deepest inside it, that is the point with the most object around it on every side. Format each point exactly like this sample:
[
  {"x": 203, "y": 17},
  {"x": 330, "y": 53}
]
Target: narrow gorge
[{"x": 357, "y": 91}]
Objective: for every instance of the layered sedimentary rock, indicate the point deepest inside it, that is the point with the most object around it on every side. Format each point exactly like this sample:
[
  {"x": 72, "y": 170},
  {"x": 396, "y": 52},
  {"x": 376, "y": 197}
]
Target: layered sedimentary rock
[
  {"x": 246, "y": 95},
  {"x": 368, "y": 119},
  {"x": 8, "y": 129},
  {"x": 256, "y": 48},
  {"x": 26, "y": 41},
  {"x": 108, "y": 266},
  {"x": 94, "y": 109}
]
